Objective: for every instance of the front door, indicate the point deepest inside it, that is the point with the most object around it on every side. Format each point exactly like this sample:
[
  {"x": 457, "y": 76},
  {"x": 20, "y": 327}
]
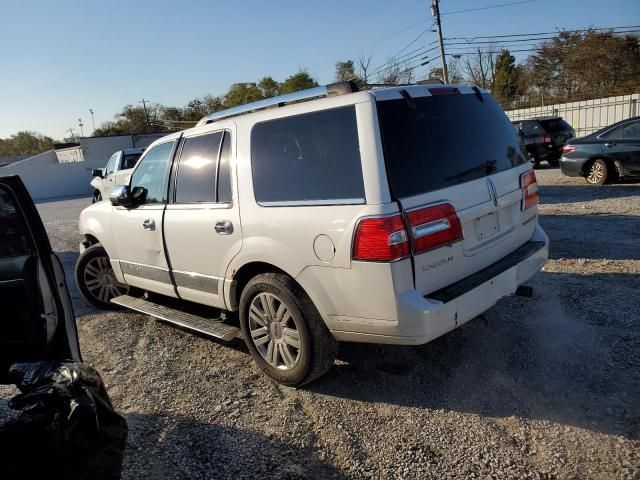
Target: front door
[
  {"x": 36, "y": 317},
  {"x": 137, "y": 232},
  {"x": 108, "y": 182},
  {"x": 202, "y": 221}
]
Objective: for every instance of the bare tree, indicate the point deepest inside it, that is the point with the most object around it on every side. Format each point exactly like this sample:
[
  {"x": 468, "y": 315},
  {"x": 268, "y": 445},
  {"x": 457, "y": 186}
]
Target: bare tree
[
  {"x": 364, "y": 62},
  {"x": 395, "y": 73},
  {"x": 480, "y": 67}
]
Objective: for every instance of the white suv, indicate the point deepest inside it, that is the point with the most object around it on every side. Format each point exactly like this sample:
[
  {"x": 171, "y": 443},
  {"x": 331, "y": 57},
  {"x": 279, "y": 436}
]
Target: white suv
[{"x": 385, "y": 216}]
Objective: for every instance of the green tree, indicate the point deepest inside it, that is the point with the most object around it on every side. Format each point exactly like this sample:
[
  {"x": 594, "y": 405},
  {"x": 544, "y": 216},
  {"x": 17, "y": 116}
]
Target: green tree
[
  {"x": 25, "y": 143},
  {"x": 505, "y": 83},
  {"x": 241, "y": 93},
  {"x": 269, "y": 87},
  {"x": 298, "y": 81}
]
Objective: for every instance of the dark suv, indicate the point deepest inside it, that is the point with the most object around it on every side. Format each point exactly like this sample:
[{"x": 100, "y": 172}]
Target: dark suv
[{"x": 544, "y": 138}]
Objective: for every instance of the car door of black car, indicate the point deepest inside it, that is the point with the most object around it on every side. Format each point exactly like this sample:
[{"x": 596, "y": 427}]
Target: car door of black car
[{"x": 36, "y": 316}]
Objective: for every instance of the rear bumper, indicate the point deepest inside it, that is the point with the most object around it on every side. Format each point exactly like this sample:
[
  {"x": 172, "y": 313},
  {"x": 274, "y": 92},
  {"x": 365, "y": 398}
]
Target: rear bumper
[
  {"x": 571, "y": 167},
  {"x": 422, "y": 319}
]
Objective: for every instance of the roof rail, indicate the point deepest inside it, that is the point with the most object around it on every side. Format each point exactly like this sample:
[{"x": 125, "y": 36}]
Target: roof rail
[{"x": 331, "y": 90}]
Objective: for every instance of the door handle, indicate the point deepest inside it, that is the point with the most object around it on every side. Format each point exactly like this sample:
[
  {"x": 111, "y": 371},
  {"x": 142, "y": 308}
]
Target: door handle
[
  {"x": 224, "y": 227},
  {"x": 610, "y": 144},
  {"x": 149, "y": 224}
]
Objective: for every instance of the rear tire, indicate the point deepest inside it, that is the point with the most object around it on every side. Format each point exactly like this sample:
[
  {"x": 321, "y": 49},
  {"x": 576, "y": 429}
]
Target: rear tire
[
  {"x": 96, "y": 280},
  {"x": 283, "y": 330},
  {"x": 554, "y": 163},
  {"x": 597, "y": 173},
  {"x": 535, "y": 160}
]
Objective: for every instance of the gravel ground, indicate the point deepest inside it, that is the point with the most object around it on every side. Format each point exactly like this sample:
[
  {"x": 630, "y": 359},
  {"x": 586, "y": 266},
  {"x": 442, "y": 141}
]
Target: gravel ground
[{"x": 547, "y": 387}]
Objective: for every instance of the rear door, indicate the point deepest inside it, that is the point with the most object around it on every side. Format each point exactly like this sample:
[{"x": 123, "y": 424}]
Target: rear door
[
  {"x": 36, "y": 321},
  {"x": 456, "y": 147},
  {"x": 626, "y": 150},
  {"x": 202, "y": 221}
]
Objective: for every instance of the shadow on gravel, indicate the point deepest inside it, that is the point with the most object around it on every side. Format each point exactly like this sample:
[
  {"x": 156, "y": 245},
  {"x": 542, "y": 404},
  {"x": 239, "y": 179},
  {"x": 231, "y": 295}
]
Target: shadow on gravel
[
  {"x": 564, "y": 356},
  {"x": 555, "y": 194},
  {"x": 607, "y": 237},
  {"x": 165, "y": 446}
]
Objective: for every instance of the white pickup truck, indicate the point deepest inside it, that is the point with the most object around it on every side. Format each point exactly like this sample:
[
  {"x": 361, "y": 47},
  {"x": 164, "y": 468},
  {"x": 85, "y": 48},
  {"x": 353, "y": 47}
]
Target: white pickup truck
[{"x": 116, "y": 172}]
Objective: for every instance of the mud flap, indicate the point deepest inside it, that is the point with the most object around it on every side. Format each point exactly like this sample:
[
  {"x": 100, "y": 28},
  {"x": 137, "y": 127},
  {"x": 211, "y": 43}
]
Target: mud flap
[{"x": 67, "y": 427}]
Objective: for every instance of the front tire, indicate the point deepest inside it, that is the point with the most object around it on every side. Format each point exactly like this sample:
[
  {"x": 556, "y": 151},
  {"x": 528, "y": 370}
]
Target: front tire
[
  {"x": 96, "y": 280},
  {"x": 598, "y": 172},
  {"x": 283, "y": 330}
]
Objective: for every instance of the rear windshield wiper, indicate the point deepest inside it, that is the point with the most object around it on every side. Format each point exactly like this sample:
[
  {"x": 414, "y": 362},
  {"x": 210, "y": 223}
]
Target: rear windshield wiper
[{"x": 487, "y": 167}]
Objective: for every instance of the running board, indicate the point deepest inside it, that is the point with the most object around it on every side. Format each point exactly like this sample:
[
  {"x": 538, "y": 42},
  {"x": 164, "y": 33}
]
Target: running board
[{"x": 207, "y": 326}]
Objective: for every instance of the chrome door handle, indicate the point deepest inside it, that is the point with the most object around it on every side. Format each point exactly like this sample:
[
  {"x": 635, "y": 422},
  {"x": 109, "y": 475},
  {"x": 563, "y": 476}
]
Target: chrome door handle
[
  {"x": 610, "y": 144},
  {"x": 224, "y": 227},
  {"x": 149, "y": 224}
]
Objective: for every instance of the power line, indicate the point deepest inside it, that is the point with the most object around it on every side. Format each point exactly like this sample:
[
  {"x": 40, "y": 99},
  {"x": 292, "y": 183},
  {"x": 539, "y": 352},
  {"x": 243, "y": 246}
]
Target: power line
[
  {"x": 543, "y": 33},
  {"x": 415, "y": 40},
  {"x": 488, "y": 7}
]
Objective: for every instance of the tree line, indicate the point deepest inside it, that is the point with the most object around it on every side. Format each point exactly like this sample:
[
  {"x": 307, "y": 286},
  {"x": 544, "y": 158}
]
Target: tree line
[{"x": 571, "y": 66}]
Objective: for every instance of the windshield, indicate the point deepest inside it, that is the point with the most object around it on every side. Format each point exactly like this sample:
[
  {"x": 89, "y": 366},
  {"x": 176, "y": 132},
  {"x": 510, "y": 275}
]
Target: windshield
[
  {"x": 444, "y": 140},
  {"x": 129, "y": 161}
]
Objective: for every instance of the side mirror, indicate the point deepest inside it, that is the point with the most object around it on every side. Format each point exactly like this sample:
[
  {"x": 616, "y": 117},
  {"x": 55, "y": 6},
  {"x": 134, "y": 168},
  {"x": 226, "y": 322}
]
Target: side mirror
[
  {"x": 121, "y": 196},
  {"x": 97, "y": 172}
]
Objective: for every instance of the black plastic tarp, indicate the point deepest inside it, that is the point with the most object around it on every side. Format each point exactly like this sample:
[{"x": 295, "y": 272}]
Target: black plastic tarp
[{"x": 67, "y": 427}]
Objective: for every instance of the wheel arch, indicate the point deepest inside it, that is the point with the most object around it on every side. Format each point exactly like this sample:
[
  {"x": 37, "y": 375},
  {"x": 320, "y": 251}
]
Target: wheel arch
[
  {"x": 244, "y": 274},
  {"x": 611, "y": 165}
]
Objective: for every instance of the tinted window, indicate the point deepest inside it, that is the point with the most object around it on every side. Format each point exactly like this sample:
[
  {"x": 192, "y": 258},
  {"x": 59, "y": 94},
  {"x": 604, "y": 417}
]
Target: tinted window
[
  {"x": 443, "y": 140},
  {"x": 532, "y": 128},
  {"x": 555, "y": 125},
  {"x": 13, "y": 238},
  {"x": 631, "y": 130},
  {"x": 197, "y": 169},
  {"x": 613, "y": 134},
  {"x": 224, "y": 170},
  {"x": 148, "y": 181},
  {"x": 311, "y": 157},
  {"x": 129, "y": 161}
]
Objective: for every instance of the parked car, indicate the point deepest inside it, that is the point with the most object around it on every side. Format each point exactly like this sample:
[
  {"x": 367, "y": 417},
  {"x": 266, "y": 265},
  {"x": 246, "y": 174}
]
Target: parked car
[
  {"x": 608, "y": 155},
  {"x": 115, "y": 173},
  {"x": 544, "y": 138},
  {"x": 64, "y": 424},
  {"x": 322, "y": 216}
]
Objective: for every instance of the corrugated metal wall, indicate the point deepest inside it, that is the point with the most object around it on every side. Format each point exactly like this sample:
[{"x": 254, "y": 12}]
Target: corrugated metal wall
[{"x": 587, "y": 116}]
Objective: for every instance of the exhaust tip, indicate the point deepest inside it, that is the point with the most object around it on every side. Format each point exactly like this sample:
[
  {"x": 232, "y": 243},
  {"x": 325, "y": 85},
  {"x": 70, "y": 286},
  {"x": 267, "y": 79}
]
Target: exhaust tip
[{"x": 524, "y": 291}]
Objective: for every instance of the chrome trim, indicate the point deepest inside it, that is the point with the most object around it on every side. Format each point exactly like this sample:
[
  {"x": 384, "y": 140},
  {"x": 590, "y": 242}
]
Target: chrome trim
[
  {"x": 148, "y": 272},
  {"x": 307, "y": 203},
  {"x": 430, "y": 228},
  {"x": 493, "y": 193},
  {"x": 200, "y": 206},
  {"x": 197, "y": 281}
]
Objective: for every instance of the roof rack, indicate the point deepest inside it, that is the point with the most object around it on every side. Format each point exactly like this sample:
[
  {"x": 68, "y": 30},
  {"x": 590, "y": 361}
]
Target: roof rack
[{"x": 331, "y": 90}]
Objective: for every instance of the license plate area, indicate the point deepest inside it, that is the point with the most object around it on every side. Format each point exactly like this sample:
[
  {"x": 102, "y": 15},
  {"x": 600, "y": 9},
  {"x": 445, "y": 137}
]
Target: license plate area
[{"x": 486, "y": 226}]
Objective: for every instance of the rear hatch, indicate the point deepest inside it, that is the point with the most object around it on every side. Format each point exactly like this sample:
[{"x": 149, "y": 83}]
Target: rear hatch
[
  {"x": 559, "y": 130},
  {"x": 455, "y": 146}
]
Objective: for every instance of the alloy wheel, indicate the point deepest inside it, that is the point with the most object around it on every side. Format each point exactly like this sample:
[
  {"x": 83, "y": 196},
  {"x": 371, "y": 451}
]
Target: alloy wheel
[
  {"x": 596, "y": 173},
  {"x": 101, "y": 281},
  {"x": 274, "y": 331}
]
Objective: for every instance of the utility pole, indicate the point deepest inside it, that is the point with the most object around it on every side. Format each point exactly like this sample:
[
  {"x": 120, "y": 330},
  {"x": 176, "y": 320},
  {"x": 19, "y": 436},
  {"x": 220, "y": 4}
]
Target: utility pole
[
  {"x": 80, "y": 124},
  {"x": 92, "y": 121},
  {"x": 73, "y": 135},
  {"x": 435, "y": 11},
  {"x": 146, "y": 115}
]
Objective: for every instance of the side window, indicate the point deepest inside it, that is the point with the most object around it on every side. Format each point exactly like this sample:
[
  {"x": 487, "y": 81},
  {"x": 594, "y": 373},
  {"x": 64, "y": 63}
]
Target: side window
[
  {"x": 148, "y": 181},
  {"x": 224, "y": 171},
  {"x": 631, "y": 130},
  {"x": 196, "y": 178},
  {"x": 313, "y": 157},
  {"x": 111, "y": 166},
  {"x": 613, "y": 134},
  {"x": 13, "y": 238}
]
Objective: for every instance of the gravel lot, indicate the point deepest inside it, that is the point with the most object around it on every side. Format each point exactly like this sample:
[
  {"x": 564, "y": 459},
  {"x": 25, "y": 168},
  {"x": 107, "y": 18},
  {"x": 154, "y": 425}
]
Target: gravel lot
[{"x": 547, "y": 387}]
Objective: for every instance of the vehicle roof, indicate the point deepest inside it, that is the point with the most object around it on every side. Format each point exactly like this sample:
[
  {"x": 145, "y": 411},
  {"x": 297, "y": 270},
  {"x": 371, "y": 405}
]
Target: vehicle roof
[
  {"x": 612, "y": 126},
  {"x": 133, "y": 151}
]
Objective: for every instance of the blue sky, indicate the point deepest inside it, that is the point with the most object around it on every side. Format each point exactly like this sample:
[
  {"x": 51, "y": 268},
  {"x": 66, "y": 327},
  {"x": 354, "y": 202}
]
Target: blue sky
[{"x": 60, "y": 58}]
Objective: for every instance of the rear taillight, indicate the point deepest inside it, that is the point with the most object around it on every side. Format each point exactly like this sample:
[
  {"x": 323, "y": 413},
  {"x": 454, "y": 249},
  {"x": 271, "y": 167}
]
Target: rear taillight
[
  {"x": 381, "y": 239},
  {"x": 433, "y": 227},
  {"x": 530, "y": 186},
  {"x": 546, "y": 138},
  {"x": 385, "y": 239},
  {"x": 568, "y": 148}
]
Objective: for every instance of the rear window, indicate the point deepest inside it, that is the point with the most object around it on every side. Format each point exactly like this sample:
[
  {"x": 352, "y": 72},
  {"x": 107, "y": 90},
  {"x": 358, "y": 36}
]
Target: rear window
[
  {"x": 308, "y": 159},
  {"x": 440, "y": 141},
  {"x": 129, "y": 161},
  {"x": 555, "y": 125}
]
